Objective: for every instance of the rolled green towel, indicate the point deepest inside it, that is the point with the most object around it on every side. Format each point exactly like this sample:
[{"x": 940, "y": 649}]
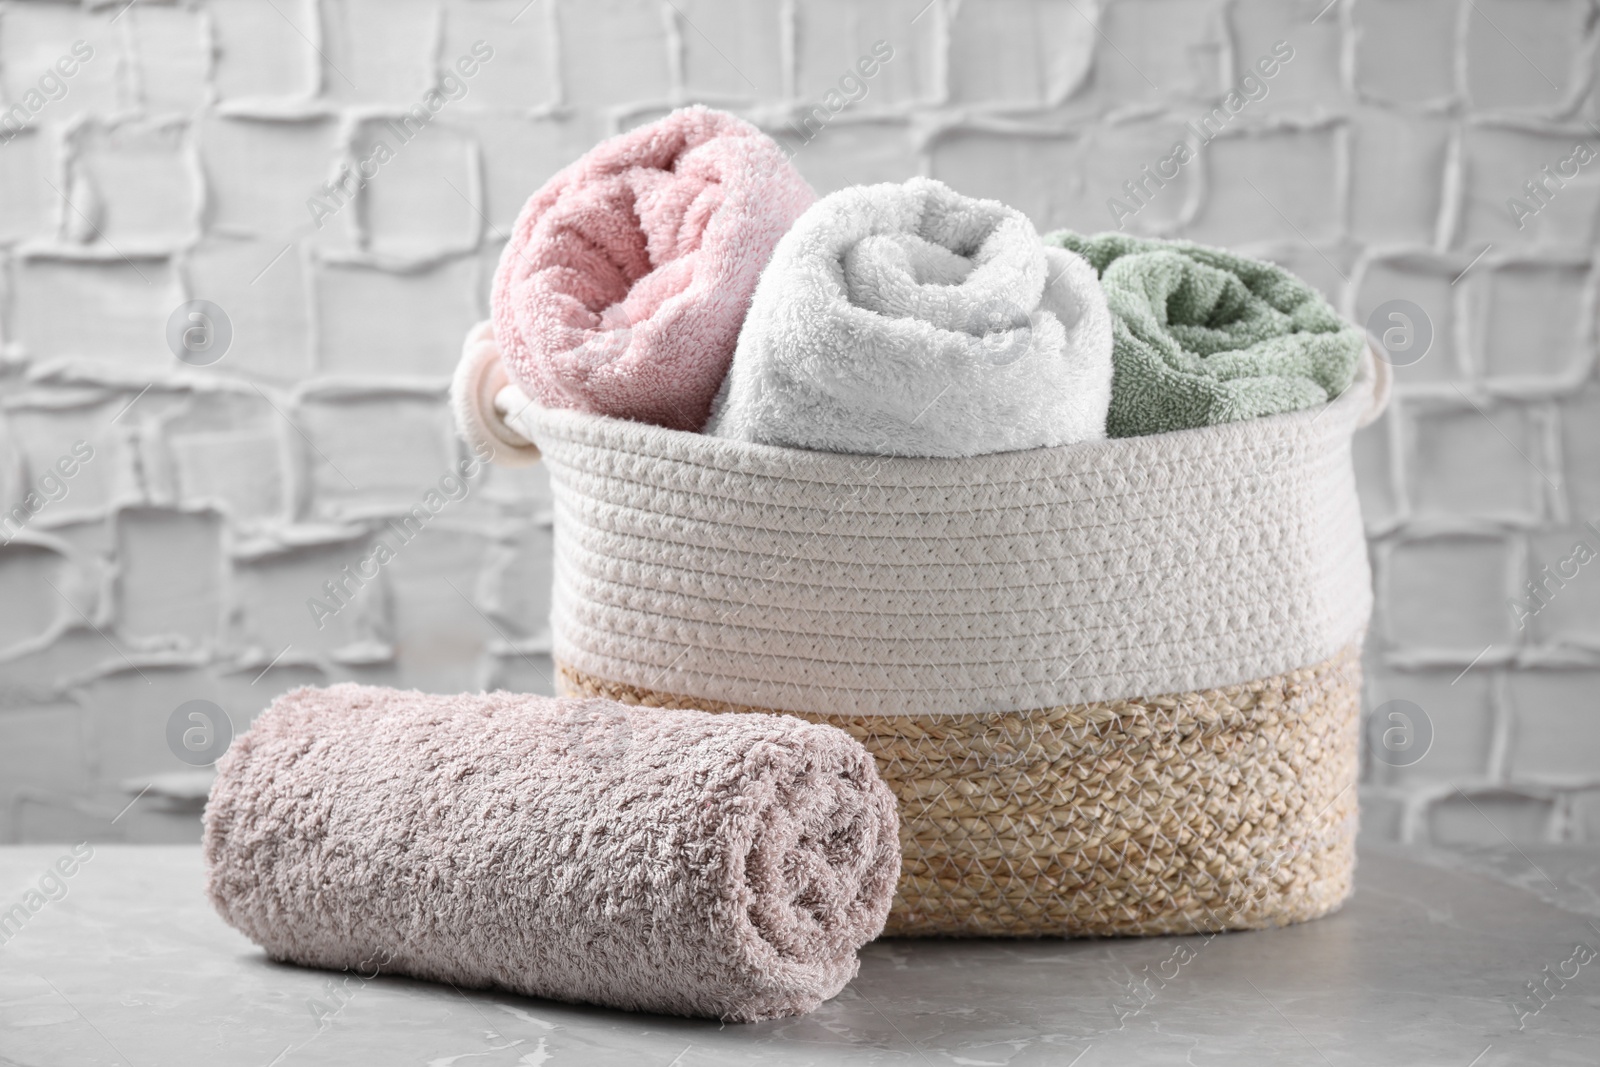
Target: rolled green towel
[{"x": 1202, "y": 336}]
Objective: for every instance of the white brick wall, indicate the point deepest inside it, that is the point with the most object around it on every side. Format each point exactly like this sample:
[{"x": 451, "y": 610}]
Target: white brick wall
[{"x": 179, "y": 162}]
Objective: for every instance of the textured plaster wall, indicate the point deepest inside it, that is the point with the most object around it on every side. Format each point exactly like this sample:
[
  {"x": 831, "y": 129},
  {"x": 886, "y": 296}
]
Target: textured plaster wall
[{"x": 180, "y": 159}]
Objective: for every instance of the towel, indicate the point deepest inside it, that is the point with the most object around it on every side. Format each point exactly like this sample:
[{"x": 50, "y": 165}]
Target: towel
[
  {"x": 910, "y": 320},
  {"x": 726, "y": 866},
  {"x": 1204, "y": 336},
  {"x": 622, "y": 287}
]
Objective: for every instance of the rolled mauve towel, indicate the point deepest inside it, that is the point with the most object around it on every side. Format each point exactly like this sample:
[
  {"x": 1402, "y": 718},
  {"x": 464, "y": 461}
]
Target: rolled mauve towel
[
  {"x": 911, "y": 320},
  {"x": 626, "y": 278},
  {"x": 672, "y": 861}
]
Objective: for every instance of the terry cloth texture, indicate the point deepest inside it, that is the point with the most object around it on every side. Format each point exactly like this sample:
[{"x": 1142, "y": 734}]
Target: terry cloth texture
[
  {"x": 910, "y": 320},
  {"x": 1204, "y": 336},
  {"x": 814, "y": 582},
  {"x": 626, "y": 277},
  {"x": 682, "y": 862}
]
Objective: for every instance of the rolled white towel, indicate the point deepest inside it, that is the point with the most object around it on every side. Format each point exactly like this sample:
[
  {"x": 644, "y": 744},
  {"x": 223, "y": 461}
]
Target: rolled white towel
[{"x": 911, "y": 320}]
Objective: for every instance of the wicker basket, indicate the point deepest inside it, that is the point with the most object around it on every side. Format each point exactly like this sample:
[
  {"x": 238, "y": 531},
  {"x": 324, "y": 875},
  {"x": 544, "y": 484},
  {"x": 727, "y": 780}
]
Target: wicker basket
[{"x": 1115, "y": 685}]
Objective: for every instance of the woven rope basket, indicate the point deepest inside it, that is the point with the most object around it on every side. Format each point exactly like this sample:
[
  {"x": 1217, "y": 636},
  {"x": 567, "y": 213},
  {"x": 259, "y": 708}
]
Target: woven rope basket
[{"x": 1115, "y": 686}]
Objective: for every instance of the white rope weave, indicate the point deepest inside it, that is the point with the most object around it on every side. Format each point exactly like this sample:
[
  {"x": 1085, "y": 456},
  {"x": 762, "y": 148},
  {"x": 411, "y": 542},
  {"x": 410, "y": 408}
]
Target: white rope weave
[{"x": 824, "y": 583}]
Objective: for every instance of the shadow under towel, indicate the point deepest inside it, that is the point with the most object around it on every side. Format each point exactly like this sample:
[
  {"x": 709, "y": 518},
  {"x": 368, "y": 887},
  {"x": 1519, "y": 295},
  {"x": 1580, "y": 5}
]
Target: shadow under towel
[
  {"x": 1202, "y": 336},
  {"x": 641, "y": 858},
  {"x": 909, "y": 320}
]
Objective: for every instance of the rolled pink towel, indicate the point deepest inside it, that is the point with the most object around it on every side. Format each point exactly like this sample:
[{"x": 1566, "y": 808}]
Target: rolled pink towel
[
  {"x": 673, "y": 861},
  {"x": 625, "y": 281}
]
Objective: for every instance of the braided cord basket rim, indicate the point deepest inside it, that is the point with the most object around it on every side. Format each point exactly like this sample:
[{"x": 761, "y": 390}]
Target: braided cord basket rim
[{"x": 1338, "y": 418}]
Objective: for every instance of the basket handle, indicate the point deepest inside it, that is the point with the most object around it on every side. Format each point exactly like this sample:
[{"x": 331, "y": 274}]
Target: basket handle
[
  {"x": 1382, "y": 384},
  {"x": 486, "y": 402}
]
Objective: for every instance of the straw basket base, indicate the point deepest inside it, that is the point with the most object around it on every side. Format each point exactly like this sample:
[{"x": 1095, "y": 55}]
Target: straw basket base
[{"x": 1224, "y": 809}]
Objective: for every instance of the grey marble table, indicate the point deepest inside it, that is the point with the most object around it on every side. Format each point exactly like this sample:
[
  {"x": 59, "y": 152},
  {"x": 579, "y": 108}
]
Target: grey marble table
[{"x": 1429, "y": 964}]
